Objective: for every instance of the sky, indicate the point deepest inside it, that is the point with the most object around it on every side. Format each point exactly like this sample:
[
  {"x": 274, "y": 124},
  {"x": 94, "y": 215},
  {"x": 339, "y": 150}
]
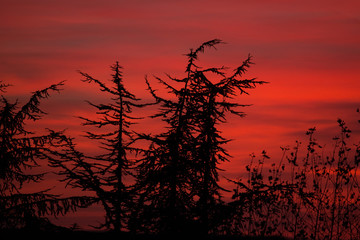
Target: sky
[{"x": 308, "y": 51}]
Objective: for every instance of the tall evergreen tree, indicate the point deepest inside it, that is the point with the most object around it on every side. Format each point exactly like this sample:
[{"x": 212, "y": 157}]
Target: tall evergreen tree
[
  {"x": 20, "y": 151},
  {"x": 213, "y": 101},
  {"x": 106, "y": 174},
  {"x": 179, "y": 173}
]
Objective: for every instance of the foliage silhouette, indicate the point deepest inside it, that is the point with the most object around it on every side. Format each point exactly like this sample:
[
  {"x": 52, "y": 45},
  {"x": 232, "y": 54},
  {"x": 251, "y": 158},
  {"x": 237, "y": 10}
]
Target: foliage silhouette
[
  {"x": 313, "y": 197},
  {"x": 107, "y": 174},
  {"x": 168, "y": 184},
  {"x": 179, "y": 174},
  {"x": 20, "y": 151}
]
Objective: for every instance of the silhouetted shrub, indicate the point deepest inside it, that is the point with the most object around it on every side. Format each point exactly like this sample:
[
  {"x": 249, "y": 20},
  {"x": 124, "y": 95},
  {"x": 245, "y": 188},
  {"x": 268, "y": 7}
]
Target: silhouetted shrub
[{"x": 315, "y": 196}]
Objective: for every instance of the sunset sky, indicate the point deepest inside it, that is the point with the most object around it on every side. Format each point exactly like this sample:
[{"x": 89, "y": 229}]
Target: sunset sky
[{"x": 308, "y": 51}]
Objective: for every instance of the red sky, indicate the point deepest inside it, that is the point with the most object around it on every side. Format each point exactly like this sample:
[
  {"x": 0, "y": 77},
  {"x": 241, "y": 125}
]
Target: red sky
[{"x": 309, "y": 51}]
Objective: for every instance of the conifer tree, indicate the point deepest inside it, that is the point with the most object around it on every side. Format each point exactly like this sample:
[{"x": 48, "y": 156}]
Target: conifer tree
[
  {"x": 106, "y": 174},
  {"x": 213, "y": 101},
  {"x": 21, "y": 151},
  {"x": 180, "y": 170}
]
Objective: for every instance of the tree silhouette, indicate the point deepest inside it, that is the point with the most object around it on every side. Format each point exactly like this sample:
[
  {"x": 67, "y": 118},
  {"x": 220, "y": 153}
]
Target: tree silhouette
[
  {"x": 20, "y": 151},
  {"x": 213, "y": 103},
  {"x": 179, "y": 173},
  {"x": 106, "y": 174}
]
